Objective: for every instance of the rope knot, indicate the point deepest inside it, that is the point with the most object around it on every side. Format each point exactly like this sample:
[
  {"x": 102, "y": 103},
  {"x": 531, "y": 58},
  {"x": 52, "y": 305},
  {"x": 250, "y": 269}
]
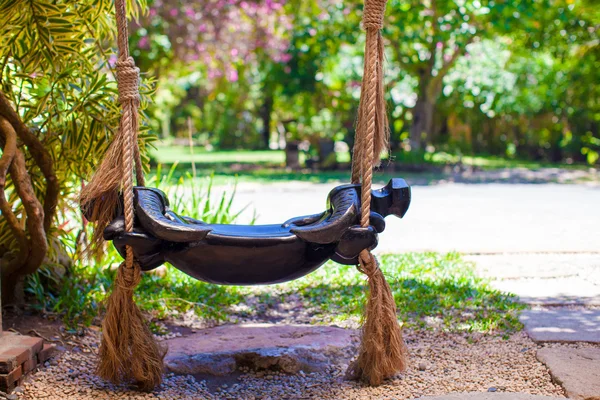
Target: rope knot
[
  {"x": 373, "y": 14},
  {"x": 368, "y": 264},
  {"x": 128, "y": 77},
  {"x": 128, "y": 278}
]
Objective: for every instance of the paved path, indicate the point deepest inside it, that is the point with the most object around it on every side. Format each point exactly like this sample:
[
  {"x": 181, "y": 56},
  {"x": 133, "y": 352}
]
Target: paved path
[
  {"x": 547, "y": 279},
  {"x": 471, "y": 218},
  {"x": 564, "y": 292}
]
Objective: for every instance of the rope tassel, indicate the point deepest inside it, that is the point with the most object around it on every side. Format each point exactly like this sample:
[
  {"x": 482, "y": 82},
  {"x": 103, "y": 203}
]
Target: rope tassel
[
  {"x": 128, "y": 351},
  {"x": 382, "y": 351}
]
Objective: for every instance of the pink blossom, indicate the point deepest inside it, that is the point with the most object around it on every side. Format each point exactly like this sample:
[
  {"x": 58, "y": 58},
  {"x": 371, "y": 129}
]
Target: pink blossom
[
  {"x": 190, "y": 12},
  {"x": 173, "y": 12},
  {"x": 152, "y": 12},
  {"x": 232, "y": 76},
  {"x": 112, "y": 60},
  {"x": 144, "y": 43},
  {"x": 234, "y": 52}
]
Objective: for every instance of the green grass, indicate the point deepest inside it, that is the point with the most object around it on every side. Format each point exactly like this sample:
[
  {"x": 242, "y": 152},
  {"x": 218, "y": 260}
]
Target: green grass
[
  {"x": 262, "y": 166},
  {"x": 432, "y": 291},
  {"x": 267, "y": 166},
  {"x": 481, "y": 161},
  {"x": 266, "y": 175},
  {"x": 183, "y": 155}
]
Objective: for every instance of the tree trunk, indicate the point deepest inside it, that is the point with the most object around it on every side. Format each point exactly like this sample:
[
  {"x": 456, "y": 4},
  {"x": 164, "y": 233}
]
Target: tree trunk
[
  {"x": 292, "y": 155},
  {"x": 30, "y": 237},
  {"x": 265, "y": 115},
  {"x": 422, "y": 122},
  {"x": 13, "y": 290}
]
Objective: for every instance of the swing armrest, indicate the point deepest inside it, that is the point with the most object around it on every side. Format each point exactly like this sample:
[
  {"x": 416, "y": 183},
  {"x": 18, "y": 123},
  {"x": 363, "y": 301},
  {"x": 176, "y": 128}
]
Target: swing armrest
[
  {"x": 343, "y": 212},
  {"x": 392, "y": 199},
  {"x": 304, "y": 220},
  {"x": 150, "y": 209}
]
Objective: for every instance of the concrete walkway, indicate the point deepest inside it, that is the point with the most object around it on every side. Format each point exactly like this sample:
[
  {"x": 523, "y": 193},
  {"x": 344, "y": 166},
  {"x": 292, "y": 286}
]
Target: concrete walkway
[{"x": 470, "y": 218}]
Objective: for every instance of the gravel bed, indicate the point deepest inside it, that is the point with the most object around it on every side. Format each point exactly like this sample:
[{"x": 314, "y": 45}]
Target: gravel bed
[{"x": 440, "y": 363}]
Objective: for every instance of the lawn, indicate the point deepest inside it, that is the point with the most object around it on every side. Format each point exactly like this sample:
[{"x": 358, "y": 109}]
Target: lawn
[
  {"x": 266, "y": 166},
  {"x": 184, "y": 155},
  {"x": 432, "y": 291}
]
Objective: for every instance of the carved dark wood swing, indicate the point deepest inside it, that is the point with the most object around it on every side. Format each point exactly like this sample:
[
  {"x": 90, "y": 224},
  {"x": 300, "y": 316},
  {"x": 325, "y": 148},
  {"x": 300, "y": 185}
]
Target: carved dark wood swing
[
  {"x": 147, "y": 233},
  {"x": 256, "y": 254}
]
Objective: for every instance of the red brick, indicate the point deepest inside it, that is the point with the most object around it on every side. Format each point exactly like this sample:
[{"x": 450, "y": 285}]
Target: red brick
[
  {"x": 7, "y": 364},
  {"x": 22, "y": 354},
  {"x": 7, "y": 381},
  {"x": 11, "y": 357},
  {"x": 30, "y": 364},
  {"x": 47, "y": 352},
  {"x": 33, "y": 343}
]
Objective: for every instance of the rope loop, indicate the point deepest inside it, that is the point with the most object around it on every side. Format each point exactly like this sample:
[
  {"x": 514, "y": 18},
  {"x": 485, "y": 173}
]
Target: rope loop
[
  {"x": 128, "y": 277},
  {"x": 373, "y": 13},
  {"x": 128, "y": 77}
]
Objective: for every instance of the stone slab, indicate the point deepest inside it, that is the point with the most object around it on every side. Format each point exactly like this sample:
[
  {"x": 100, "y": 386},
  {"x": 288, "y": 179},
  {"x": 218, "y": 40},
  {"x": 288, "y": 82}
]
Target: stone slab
[
  {"x": 576, "y": 370},
  {"x": 288, "y": 348},
  {"x": 489, "y": 396},
  {"x": 556, "y": 291},
  {"x": 562, "y": 324}
]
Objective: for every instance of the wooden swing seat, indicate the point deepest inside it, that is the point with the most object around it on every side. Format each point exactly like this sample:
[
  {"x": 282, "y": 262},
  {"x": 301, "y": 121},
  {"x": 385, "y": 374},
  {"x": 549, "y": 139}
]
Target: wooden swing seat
[{"x": 256, "y": 254}]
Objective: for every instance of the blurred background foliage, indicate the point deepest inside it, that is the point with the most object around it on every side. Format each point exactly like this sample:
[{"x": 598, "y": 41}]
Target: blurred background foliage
[
  {"x": 512, "y": 79},
  {"x": 508, "y": 78}
]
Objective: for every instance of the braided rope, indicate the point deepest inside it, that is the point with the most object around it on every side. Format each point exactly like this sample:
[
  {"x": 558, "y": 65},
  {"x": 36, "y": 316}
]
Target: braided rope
[
  {"x": 128, "y": 76},
  {"x": 373, "y": 13},
  {"x": 371, "y": 127}
]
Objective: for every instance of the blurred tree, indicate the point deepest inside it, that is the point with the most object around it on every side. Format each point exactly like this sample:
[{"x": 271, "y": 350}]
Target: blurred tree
[
  {"x": 241, "y": 67},
  {"x": 214, "y": 49},
  {"x": 530, "y": 95},
  {"x": 57, "y": 111},
  {"x": 430, "y": 36}
]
